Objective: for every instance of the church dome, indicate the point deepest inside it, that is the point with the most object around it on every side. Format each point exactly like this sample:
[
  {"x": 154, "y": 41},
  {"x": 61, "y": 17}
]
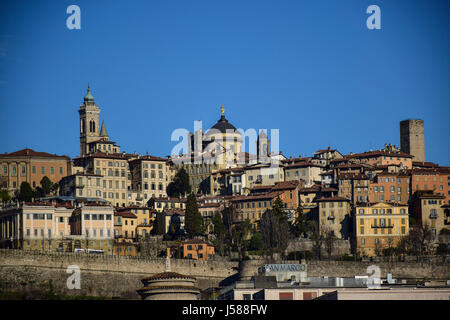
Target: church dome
[
  {"x": 223, "y": 125},
  {"x": 89, "y": 96}
]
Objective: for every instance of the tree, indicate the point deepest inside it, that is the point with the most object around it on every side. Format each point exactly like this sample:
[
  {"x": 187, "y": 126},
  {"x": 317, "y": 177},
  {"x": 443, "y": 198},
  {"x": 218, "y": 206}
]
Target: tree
[
  {"x": 4, "y": 196},
  {"x": 174, "y": 230},
  {"x": 180, "y": 184},
  {"x": 193, "y": 219},
  {"x": 300, "y": 226},
  {"x": 420, "y": 240},
  {"x": 25, "y": 192},
  {"x": 219, "y": 232},
  {"x": 256, "y": 241},
  {"x": 275, "y": 228},
  {"x": 228, "y": 216},
  {"x": 46, "y": 186},
  {"x": 239, "y": 237}
]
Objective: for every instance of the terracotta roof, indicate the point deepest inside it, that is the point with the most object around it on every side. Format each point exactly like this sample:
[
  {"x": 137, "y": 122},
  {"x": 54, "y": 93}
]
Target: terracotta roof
[
  {"x": 168, "y": 275},
  {"x": 172, "y": 211},
  {"x": 379, "y": 153},
  {"x": 282, "y": 185},
  {"x": 336, "y": 198},
  {"x": 31, "y": 153},
  {"x": 269, "y": 195},
  {"x": 125, "y": 214},
  {"x": 352, "y": 176}
]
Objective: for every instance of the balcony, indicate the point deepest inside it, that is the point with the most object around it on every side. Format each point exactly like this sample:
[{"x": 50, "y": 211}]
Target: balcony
[
  {"x": 382, "y": 227},
  {"x": 331, "y": 218},
  {"x": 433, "y": 215}
]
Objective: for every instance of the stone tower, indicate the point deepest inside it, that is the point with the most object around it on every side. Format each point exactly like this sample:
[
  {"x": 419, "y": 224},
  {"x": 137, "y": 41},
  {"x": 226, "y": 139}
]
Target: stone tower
[
  {"x": 412, "y": 138},
  {"x": 89, "y": 122}
]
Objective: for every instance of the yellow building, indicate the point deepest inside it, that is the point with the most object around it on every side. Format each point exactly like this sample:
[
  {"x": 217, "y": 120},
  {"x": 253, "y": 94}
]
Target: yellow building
[
  {"x": 197, "y": 249},
  {"x": 334, "y": 215},
  {"x": 160, "y": 204},
  {"x": 252, "y": 207},
  {"x": 94, "y": 223},
  {"x": 145, "y": 218},
  {"x": 125, "y": 223},
  {"x": 379, "y": 226}
]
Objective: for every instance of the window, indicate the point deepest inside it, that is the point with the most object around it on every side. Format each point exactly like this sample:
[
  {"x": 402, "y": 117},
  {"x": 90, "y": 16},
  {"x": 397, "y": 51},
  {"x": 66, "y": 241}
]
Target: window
[
  {"x": 52, "y": 170},
  {"x": 42, "y": 169}
]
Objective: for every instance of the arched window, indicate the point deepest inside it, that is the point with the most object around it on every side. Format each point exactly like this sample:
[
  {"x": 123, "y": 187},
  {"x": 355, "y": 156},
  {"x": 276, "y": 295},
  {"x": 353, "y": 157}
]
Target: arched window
[
  {"x": 83, "y": 126},
  {"x": 93, "y": 126}
]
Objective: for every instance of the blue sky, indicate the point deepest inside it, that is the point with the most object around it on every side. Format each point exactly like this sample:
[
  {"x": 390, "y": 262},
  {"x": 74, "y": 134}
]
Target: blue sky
[{"x": 311, "y": 69}]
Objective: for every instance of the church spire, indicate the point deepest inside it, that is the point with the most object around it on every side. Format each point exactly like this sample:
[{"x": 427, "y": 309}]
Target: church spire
[{"x": 103, "y": 132}]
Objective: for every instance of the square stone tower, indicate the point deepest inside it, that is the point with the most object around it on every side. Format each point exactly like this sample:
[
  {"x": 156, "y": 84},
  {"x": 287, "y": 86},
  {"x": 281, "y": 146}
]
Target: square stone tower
[{"x": 412, "y": 138}]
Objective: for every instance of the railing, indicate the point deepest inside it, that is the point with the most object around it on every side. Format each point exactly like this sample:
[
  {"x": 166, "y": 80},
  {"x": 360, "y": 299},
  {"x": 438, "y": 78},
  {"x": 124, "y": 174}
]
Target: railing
[{"x": 385, "y": 226}]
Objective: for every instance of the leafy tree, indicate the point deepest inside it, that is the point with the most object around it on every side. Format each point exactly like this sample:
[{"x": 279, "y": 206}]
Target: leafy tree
[
  {"x": 256, "y": 241},
  {"x": 193, "y": 219},
  {"x": 275, "y": 228},
  {"x": 46, "y": 186},
  {"x": 25, "y": 192},
  {"x": 180, "y": 184},
  {"x": 4, "y": 196}
]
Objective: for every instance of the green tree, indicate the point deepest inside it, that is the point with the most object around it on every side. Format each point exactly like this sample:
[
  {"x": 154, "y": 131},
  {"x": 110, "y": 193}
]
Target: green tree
[
  {"x": 4, "y": 196},
  {"x": 220, "y": 233},
  {"x": 228, "y": 217},
  {"x": 300, "y": 226},
  {"x": 256, "y": 241},
  {"x": 25, "y": 192},
  {"x": 193, "y": 219},
  {"x": 46, "y": 186},
  {"x": 275, "y": 228},
  {"x": 180, "y": 184}
]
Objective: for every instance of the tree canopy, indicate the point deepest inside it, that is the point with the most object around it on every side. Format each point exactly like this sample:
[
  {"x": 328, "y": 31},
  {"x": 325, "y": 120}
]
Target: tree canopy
[
  {"x": 180, "y": 184},
  {"x": 193, "y": 220}
]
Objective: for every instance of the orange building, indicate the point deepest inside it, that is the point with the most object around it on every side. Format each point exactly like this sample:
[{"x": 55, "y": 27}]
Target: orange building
[
  {"x": 197, "y": 249},
  {"x": 31, "y": 166},
  {"x": 390, "y": 187},
  {"x": 436, "y": 179}
]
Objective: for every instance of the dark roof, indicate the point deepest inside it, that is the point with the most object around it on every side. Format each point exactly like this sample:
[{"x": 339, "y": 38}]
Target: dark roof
[{"x": 223, "y": 125}]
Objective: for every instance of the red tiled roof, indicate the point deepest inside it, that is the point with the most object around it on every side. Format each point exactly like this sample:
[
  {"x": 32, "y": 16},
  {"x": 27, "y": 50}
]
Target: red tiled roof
[
  {"x": 31, "y": 153},
  {"x": 379, "y": 153},
  {"x": 172, "y": 211},
  {"x": 269, "y": 195},
  {"x": 336, "y": 198},
  {"x": 125, "y": 214}
]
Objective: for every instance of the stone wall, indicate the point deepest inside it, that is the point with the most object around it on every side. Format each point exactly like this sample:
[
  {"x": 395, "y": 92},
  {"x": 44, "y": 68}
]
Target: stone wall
[
  {"x": 433, "y": 270},
  {"x": 340, "y": 247},
  {"x": 117, "y": 276},
  {"x": 102, "y": 275}
]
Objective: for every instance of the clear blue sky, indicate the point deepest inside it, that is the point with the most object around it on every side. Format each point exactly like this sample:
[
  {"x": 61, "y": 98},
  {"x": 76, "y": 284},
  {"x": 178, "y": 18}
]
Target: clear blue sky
[{"x": 309, "y": 68}]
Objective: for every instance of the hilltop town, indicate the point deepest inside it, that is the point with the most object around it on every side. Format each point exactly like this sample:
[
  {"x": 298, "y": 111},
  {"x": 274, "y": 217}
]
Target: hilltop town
[{"x": 219, "y": 203}]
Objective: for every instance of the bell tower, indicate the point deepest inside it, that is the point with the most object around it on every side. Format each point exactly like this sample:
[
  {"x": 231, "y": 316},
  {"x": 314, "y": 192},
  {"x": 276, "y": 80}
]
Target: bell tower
[{"x": 89, "y": 122}]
